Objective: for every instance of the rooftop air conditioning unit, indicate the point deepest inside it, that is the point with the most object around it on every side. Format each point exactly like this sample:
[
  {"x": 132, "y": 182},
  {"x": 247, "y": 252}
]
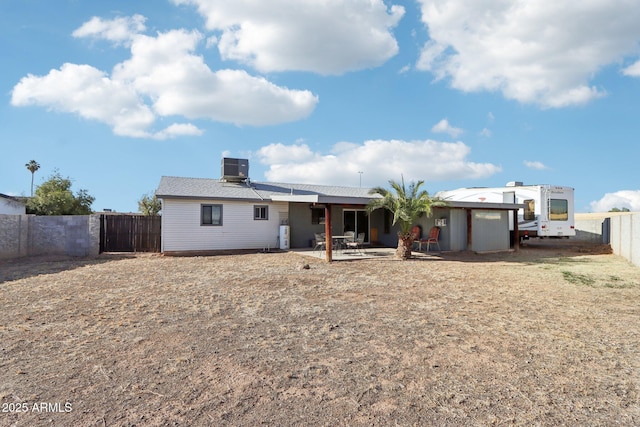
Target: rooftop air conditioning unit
[{"x": 235, "y": 169}]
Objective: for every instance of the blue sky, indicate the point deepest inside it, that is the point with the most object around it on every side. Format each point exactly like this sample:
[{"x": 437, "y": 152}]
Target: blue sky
[{"x": 352, "y": 92}]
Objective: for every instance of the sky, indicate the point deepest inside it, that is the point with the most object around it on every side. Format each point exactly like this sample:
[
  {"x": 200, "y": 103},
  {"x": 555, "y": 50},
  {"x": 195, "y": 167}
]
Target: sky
[{"x": 116, "y": 94}]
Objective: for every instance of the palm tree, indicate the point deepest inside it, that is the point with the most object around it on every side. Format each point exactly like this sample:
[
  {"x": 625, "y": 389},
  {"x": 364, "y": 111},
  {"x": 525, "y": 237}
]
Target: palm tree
[
  {"x": 406, "y": 205},
  {"x": 149, "y": 205},
  {"x": 33, "y": 166}
]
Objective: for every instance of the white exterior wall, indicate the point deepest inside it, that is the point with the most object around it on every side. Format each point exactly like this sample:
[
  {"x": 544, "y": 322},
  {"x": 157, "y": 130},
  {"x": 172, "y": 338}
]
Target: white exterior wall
[
  {"x": 457, "y": 228},
  {"x": 10, "y": 207},
  {"x": 489, "y": 230},
  {"x": 625, "y": 237},
  {"x": 181, "y": 229}
]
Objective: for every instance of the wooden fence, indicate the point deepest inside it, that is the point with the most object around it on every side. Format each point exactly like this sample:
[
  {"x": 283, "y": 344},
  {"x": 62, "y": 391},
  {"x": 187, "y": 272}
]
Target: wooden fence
[{"x": 129, "y": 233}]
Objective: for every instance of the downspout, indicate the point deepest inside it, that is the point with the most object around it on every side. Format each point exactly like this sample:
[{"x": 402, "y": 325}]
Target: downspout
[{"x": 328, "y": 236}]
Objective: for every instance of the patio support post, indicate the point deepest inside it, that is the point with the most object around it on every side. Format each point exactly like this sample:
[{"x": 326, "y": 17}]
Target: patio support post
[
  {"x": 327, "y": 230},
  {"x": 516, "y": 231}
]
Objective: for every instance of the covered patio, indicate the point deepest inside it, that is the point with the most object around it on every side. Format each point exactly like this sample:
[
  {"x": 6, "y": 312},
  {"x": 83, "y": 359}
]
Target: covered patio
[{"x": 368, "y": 253}]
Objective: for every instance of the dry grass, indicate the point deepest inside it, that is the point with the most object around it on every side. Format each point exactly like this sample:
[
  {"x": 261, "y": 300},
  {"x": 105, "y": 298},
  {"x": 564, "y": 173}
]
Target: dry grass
[{"x": 546, "y": 336}]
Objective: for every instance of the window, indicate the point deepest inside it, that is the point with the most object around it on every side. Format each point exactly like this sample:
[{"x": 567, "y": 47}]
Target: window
[
  {"x": 317, "y": 215},
  {"x": 558, "y": 210},
  {"x": 211, "y": 215},
  {"x": 261, "y": 212},
  {"x": 529, "y": 210}
]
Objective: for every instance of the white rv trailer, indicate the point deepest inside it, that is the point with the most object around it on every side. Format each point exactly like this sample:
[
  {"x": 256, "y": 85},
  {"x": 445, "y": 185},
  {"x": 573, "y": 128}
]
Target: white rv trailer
[{"x": 548, "y": 209}]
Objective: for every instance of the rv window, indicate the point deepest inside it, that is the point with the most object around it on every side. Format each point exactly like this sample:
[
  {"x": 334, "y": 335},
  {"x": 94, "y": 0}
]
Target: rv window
[
  {"x": 559, "y": 210},
  {"x": 529, "y": 210},
  {"x": 211, "y": 215}
]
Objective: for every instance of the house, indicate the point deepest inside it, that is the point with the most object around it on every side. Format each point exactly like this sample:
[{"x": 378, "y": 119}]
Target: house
[
  {"x": 11, "y": 205},
  {"x": 232, "y": 213},
  {"x": 215, "y": 214}
]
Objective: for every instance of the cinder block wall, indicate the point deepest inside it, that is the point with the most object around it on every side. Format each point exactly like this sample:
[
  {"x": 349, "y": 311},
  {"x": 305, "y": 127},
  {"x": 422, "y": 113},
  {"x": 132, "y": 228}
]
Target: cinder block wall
[
  {"x": 73, "y": 235},
  {"x": 625, "y": 237},
  {"x": 14, "y": 236},
  {"x": 624, "y": 232},
  {"x": 589, "y": 227}
]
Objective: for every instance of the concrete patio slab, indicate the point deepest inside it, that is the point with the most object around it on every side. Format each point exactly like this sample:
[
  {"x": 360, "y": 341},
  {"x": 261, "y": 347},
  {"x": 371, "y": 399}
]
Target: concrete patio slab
[{"x": 368, "y": 253}]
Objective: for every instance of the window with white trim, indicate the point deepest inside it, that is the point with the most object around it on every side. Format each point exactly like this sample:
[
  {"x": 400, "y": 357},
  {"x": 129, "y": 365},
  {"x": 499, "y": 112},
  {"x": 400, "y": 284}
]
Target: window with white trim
[{"x": 261, "y": 212}]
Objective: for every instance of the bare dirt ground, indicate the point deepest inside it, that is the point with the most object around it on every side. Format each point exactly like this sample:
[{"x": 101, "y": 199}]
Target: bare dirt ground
[{"x": 549, "y": 335}]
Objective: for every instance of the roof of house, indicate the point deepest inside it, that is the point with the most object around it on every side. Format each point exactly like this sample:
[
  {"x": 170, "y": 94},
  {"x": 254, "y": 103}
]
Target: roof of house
[
  {"x": 14, "y": 199},
  {"x": 206, "y": 188}
]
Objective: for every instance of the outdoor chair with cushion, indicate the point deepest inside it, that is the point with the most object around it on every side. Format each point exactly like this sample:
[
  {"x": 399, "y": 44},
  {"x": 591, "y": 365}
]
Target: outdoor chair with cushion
[
  {"x": 349, "y": 236},
  {"x": 358, "y": 244},
  {"x": 320, "y": 242}
]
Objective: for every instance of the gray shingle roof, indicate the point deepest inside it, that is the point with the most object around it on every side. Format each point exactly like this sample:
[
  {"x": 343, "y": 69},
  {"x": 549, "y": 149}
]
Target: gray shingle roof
[
  {"x": 206, "y": 188},
  {"x": 12, "y": 198}
]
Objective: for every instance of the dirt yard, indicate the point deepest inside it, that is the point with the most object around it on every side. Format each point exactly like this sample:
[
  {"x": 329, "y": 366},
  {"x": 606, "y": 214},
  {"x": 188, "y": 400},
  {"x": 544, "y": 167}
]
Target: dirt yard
[{"x": 546, "y": 336}]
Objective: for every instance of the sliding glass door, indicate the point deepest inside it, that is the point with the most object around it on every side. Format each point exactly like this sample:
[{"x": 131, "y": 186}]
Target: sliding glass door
[{"x": 356, "y": 220}]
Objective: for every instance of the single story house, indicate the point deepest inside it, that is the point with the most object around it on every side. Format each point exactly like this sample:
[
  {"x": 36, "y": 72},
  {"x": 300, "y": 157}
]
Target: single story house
[
  {"x": 202, "y": 215},
  {"x": 11, "y": 205}
]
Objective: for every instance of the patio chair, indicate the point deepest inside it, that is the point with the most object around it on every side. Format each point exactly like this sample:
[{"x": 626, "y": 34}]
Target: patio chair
[
  {"x": 358, "y": 244},
  {"x": 321, "y": 242},
  {"x": 416, "y": 234},
  {"x": 349, "y": 237},
  {"x": 434, "y": 234}
]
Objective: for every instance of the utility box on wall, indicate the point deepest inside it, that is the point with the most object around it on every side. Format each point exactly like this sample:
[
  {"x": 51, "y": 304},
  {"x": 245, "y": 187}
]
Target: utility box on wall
[{"x": 284, "y": 237}]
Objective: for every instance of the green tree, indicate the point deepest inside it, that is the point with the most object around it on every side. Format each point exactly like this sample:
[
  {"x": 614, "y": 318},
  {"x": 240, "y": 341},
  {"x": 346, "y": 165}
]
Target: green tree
[
  {"x": 54, "y": 197},
  {"x": 149, "y": 205},
  {"x": 407, "y": 204},
  {"x": 32, "y": 166},
  {"x": 619, "y": 210}
]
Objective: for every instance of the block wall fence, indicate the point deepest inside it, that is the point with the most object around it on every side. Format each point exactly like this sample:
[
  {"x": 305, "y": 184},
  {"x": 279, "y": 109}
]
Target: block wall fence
[
  {"x": 79, "y": 235},
  {"x": 620, "y": 230},
  {"x": 29, "y": 235}
]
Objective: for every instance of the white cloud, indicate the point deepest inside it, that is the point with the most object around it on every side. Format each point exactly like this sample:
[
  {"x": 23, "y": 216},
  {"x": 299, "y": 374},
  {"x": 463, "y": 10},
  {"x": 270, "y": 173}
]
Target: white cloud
[
  {"x": 620, "y": 199},
  {"x": 485, "y": 132},
  {"x": 178, "y": 129},
  {"x": 163, "y": 77},
  {"x": 88, "y": 92},
  {"x": 543, "y": 52},
  {"x": 118, "y": 30},
  {"x": 180, "y": 83},
  {"x": 443, "y": 126},
  {"x": 535, "y": 165},
  {"x": 326, "y": 37},
  {"x": 380, "y": 160},
  {"x": 632, "y": 70},
  {"x": 274, "y": 154}
]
